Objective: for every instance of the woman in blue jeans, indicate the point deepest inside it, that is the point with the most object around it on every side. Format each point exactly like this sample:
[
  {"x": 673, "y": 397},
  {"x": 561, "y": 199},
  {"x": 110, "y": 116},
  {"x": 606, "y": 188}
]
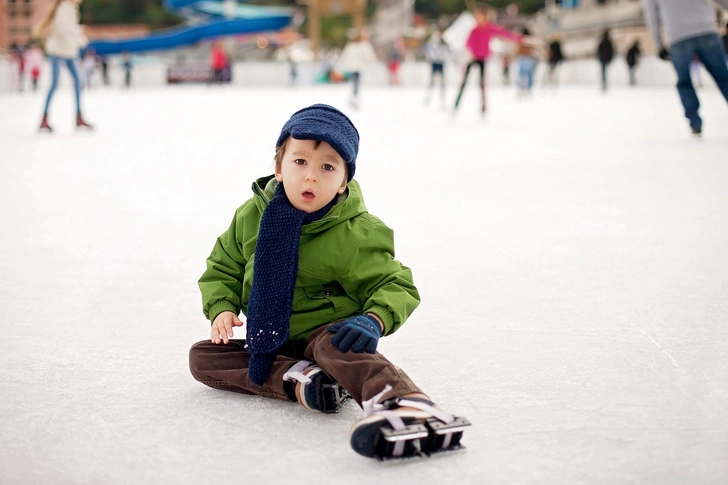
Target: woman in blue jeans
[{"x": 65, "y": 39}]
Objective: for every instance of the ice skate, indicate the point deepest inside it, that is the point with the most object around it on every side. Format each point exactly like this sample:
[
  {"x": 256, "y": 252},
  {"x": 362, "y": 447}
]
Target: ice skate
[
  {"x": 44, "y": 126},
  {"x": 315, "y": 389},
  {"x": 697, "y": 132},
  {"x": 405, "y": 428},
  {"x": 82, "y": 124}
]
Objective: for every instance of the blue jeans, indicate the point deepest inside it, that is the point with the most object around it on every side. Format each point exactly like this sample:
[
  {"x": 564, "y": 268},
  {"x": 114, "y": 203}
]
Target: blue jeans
[
  {"x": 71, "y": 65},
  {"x": 709, "y": 50},
  {"x": 354, "y": 78},
  {"x": 526, "y": 67}
]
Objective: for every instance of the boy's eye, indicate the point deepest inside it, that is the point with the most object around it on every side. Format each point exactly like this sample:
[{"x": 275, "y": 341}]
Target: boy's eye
[
  {"x": 328, "y": 167},
  {"x": 299, "y": 161}
]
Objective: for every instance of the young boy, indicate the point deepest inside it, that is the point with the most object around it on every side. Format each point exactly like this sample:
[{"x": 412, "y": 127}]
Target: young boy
[{"x": 316, "y": 277}]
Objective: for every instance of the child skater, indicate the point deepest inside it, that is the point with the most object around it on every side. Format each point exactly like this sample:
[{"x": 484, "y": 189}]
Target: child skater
[
  {"x": 436, "y": 52},
  {"x": 479, "y": 46},
  {"x": 526, "y": 60},
  {"x": 33, "y": 63},
  {"x": 316, "y": 277}
]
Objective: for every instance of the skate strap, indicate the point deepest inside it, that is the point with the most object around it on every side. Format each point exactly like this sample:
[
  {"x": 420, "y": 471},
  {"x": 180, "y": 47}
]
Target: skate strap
[
  {"x": 431, "y": 410},
  {"x": 295, "y": 373},
  {"x": 397, "y": 424},
  {"x": 374, "y": 406}
]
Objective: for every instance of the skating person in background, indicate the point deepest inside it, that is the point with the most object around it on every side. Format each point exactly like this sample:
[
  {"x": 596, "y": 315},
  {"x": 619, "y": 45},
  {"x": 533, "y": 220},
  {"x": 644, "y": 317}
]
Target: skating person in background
[
  {"x": 104, "y": 69},
  {"x": 478, "y": 45},
  {"x": 526, "y": 61},
  {"x": 355, "y": 57},
  {"x": 632, "y": 58},
  {"x": 555, "y": 57},
  {"x": 725, "y": 42},
  {"x": 64, "y": 40},
  {"x": 88, "y": 65},
  {"x": 17, "y": 54},
  {"x": 506, "y": 63},
  {"x": 690, "y": 30},
  {"x": 128, "y": 66},
  {"x": 437, "y": 53},
  {"x": 395, "y": 59},
  {"x": 33, "y": 63},
  {"x": 218, "y": 62},
  {"x": 605, "y": 54},
  {"x": 292, "y": 66},
  {"x": 315, "y": 276}
]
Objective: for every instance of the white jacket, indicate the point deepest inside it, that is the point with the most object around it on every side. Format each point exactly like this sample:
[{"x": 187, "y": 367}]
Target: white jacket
[
  {"x": 66, "y": 37},
  {"x": 356, "y": 56}
]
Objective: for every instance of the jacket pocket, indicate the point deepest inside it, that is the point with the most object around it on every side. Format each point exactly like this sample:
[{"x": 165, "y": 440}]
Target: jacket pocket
[{"x": 321, "y": 292}]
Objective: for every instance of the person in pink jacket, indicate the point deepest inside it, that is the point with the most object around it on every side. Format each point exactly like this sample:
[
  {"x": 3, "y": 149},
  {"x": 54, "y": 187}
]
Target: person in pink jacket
[{"x": 479, "y": 46}]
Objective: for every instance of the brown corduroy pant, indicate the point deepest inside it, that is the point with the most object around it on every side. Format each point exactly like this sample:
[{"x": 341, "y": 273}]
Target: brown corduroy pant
[{"x": 364, "y": 375}]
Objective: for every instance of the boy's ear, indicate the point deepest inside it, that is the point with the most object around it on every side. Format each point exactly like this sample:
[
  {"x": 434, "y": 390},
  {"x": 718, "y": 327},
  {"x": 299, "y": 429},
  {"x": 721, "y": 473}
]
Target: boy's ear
[
  {"x": 343, "y": 187},
  {"x": 279, "y": 176}
]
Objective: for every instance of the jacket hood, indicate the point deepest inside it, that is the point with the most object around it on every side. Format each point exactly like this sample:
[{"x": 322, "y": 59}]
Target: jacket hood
[{"x": 348, "y": 205}]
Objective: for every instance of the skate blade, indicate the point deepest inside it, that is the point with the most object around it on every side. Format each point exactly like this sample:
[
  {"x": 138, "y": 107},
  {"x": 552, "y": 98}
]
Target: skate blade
[
  {"x": 452, "y": 449},
  {"x": 409, "y": 433},
  {"x": 441, "y": 428},
  {"x": 394, "y": 460},
  {"x": 415, "y": 454},
  {"x": 398, "y": 460}
]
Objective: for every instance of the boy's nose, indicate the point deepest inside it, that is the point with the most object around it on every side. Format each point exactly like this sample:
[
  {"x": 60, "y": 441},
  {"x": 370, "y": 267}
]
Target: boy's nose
[{"x": 311, "y": 175}]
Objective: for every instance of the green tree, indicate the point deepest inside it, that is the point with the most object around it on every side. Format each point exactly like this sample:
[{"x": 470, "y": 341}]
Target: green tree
[{"x": 150, "y": 12}]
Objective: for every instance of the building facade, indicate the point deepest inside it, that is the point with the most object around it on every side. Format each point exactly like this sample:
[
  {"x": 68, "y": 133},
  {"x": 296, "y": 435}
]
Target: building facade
[{"x": 17, "y": 18}]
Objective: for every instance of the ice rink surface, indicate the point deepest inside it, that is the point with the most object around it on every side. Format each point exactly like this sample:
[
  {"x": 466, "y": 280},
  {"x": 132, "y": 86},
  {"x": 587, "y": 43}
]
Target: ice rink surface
[{"x": 570, "y": 251}]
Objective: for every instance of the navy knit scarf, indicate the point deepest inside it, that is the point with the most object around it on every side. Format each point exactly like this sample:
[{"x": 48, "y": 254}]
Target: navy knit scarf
[{"x": 274, "y": 279}]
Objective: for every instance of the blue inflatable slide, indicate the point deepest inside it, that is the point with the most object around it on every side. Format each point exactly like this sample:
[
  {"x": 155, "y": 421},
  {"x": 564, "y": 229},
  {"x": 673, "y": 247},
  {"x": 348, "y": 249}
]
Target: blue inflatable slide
[{"x": 206, "y": 19}]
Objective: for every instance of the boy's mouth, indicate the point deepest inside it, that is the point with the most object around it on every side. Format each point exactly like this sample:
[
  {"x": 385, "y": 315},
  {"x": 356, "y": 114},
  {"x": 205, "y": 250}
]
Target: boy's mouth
[{"x": 308, "y": 194}]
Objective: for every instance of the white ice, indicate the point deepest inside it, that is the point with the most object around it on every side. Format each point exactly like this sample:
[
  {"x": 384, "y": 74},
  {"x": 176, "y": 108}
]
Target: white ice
[{"x": 570, "y": 251}]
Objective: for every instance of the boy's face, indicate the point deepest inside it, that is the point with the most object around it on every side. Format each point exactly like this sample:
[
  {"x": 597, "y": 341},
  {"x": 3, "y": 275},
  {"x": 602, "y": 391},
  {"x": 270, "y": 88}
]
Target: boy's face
[{"x": 312, "y": 176}]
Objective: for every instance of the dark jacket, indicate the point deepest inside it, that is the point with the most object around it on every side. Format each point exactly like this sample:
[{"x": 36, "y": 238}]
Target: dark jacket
[
  {"x": 605, "y": 52},
  {"x": 633, "y": 55},
  {"x": 555, "y": 54}
]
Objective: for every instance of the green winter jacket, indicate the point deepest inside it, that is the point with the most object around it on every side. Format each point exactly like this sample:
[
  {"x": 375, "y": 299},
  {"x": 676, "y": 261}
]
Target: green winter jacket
[{"x": 346, "y": 266}]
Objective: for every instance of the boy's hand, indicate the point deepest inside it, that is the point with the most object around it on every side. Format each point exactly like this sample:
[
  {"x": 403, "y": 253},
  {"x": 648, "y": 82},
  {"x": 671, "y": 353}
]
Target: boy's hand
[
  {"x": 357, "y": 334},
  {"x": 222, "y": 327}
]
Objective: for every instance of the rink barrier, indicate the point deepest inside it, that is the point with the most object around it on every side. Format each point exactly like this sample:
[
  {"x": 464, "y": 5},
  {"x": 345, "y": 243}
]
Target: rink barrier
[{"x": 650, "y": 72}]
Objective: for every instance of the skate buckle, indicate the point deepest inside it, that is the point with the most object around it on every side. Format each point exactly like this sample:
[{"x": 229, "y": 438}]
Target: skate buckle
[
  {"x": 333, "y": 397},
  {"x": 411, "y": 432},
  {"x": 392, "y": 403},
  {"x": 441, "y": 428}
]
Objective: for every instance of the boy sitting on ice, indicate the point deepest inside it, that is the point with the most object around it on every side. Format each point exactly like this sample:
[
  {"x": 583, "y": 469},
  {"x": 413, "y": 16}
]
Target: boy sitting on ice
[{"x": 316, "y": 277}]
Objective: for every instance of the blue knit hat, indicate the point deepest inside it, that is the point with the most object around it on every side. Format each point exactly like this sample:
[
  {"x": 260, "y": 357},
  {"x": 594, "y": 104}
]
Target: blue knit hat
[{"x": 322, "y": 122}]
